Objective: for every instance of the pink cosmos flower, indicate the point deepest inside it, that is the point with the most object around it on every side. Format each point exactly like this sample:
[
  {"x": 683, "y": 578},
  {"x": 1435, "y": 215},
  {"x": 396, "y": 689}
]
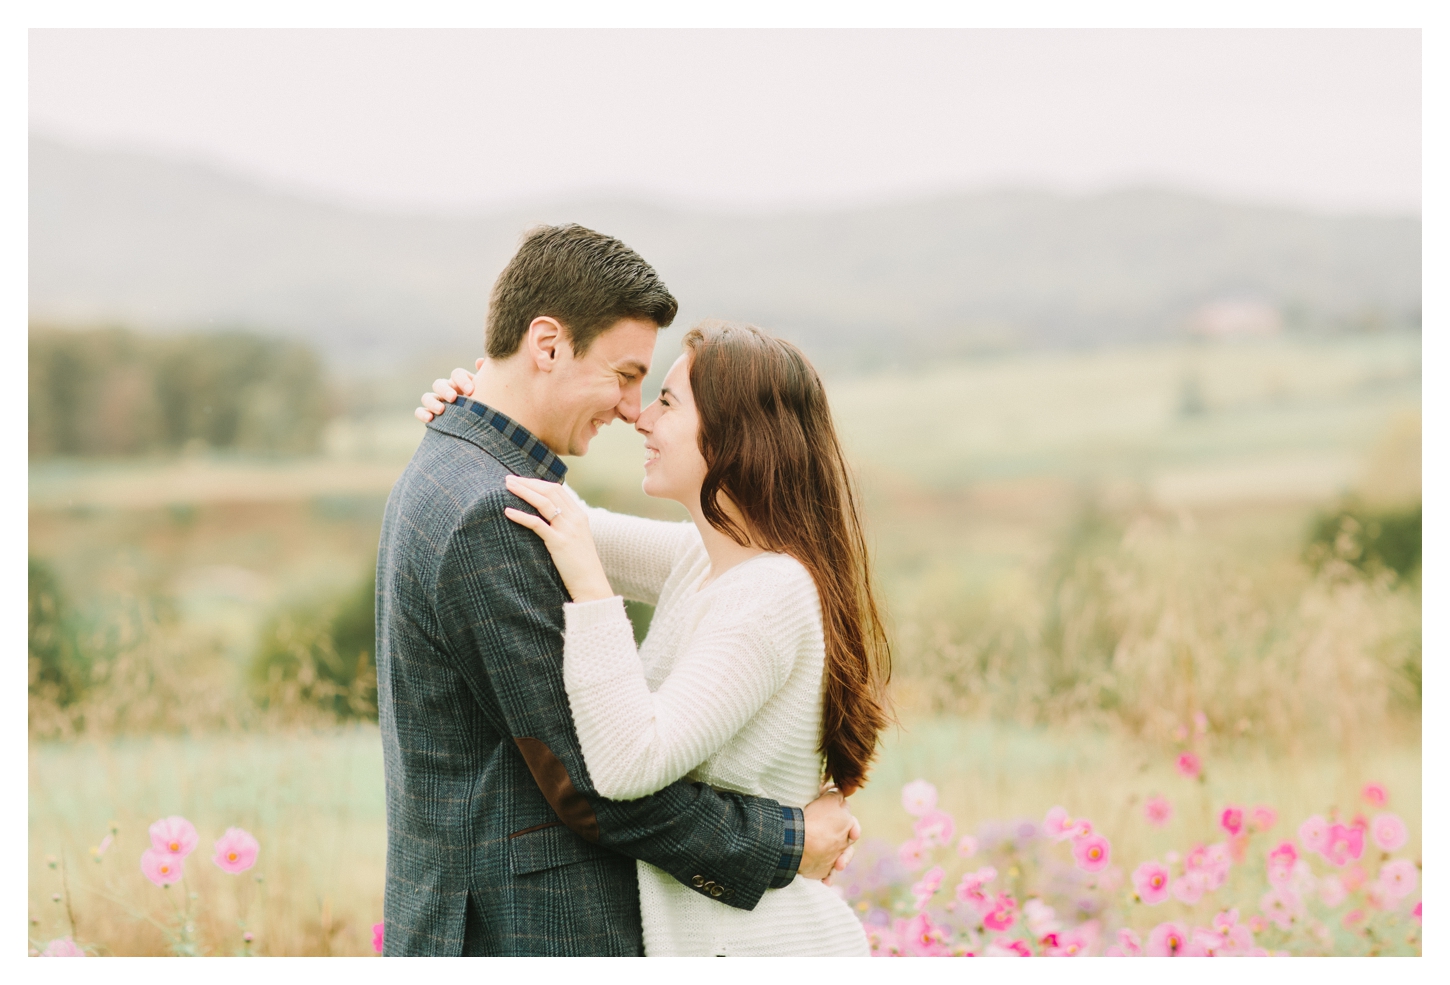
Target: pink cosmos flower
[
  {"x": 1264, "y": 818},
  {"x": 1343, "y": 844},
  {"x": 1284, "y": 854},
  {"x": 1332, "y": 891},
  {"x": 1081, "y": 828},
  {"x": 1150, "y": 881},
  {"x": 1189, "y": 888},
  {"x": 884, "y": 943},
  {"x": 918, "y": 797},
  {"x": 1158, "y": 811},
  {"x": 378, "y": 938},
  {"x": 235, "y": 851},
  {"x": 174, "y": 835},
  {"x": 921, "y": 937},
  {"x": 162, "y": 868},
  {"x": 1232, "y": 819},
  {"x": 1354, "y": 877},
  {"x": 1091, "y": 853},
  {"x": 1353, "y": 917},
  {"x": 967, "y": 847},
  {"x": 1189, "y": 765},
  {"x": 1399, "y": 878},
  {"x": 1314, "y": 834},
  {"x": 1281, "y": 905},
  {"x": 1130, "y": 943},
  {"x": 1207, "y": 942},
  {"x": 926, "y": 887},
  {"x": 1416, "y": 912},
  {"x": 913, "y": 854},
  {"x": 62, "y": 947},
  {"x": 1375, "y": 794},
  {"x": 1057, "y": 824},
  {"x": 1002, "y": 915},
  {"x": 1076, "y": 943},
  {"x": 1388, "y": 832},
  {"x": 1041, "y": 919},
  {"x": 935, "y": 828},
  {"x": 1225, "y": 920},
  {"x": 1003, "y": 948},
  {"x": 1167, "y": 940}
]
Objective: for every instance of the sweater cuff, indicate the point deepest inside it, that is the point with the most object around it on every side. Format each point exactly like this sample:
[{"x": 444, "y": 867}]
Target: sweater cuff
[{"x": 598, "y": 643}]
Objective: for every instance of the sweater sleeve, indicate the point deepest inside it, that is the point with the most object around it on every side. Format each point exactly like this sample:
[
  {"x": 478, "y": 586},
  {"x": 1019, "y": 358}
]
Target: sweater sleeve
[
  {"x": 637, "y": 553},
  {"x": 636, "y": 741}
]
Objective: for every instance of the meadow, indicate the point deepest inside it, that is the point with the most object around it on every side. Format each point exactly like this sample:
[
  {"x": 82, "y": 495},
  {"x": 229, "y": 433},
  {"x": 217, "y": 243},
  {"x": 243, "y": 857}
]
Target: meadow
[{"x": 1092, "y": 563}]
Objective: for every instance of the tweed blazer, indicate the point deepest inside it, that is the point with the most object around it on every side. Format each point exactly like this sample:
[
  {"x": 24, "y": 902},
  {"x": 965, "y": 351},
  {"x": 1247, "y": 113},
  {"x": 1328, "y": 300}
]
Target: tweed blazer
[{"x": 497, "y": 841}]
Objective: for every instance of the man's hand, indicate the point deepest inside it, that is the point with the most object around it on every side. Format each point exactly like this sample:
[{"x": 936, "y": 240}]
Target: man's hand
[
  {"x": 459, "y": 383},
  {"x": 830, "y": 833}
]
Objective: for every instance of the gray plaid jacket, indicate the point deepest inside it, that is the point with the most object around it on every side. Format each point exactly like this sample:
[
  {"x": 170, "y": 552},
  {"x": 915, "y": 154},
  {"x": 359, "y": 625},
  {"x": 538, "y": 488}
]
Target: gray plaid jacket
[{"x": 497, "y": 842}]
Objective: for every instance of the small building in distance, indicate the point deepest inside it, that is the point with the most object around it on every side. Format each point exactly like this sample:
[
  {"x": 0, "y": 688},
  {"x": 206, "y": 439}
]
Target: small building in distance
[{"x": 1235, "y": 319}]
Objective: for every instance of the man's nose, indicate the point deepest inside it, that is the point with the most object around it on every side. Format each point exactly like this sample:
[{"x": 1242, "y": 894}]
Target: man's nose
[{"x": 629, "y": 405}]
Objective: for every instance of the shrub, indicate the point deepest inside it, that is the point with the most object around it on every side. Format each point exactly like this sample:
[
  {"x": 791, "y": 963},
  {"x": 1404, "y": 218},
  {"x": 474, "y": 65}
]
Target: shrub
[{"x": 321, "y": 658}]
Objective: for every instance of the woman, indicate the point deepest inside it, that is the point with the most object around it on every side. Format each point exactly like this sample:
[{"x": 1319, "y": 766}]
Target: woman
[{"x": 766, "y": 658}]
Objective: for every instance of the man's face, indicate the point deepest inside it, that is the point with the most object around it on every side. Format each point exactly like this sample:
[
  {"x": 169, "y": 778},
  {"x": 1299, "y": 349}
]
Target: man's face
[{"x": 600, "y": 386}]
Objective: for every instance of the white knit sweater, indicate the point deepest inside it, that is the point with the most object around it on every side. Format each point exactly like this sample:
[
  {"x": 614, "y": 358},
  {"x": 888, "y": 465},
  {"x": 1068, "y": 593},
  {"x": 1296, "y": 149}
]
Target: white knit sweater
[{"x": 726, "y": 690}]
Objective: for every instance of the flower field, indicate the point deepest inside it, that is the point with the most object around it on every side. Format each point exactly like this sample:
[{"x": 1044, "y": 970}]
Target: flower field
[{"x": 1053, "y": 888}]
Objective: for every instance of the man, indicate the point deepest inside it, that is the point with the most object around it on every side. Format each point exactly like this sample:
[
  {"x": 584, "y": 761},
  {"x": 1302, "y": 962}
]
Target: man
[{"x": 497, "y": 842}]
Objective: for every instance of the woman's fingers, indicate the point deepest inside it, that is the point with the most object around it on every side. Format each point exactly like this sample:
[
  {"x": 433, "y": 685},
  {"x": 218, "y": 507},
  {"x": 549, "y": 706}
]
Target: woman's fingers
[
  {"x": 523, "y": 519},
  {"x": 462, "y": 381},
  {"x": 535, "y": 497},
  {"x": 432, "y": 404},
  {"x": 445, "y": 389},
  {"x": 422, "y": 415}
]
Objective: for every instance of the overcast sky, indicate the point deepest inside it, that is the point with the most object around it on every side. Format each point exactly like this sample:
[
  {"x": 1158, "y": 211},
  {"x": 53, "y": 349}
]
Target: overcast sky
[{"x": 753, "y": 119}]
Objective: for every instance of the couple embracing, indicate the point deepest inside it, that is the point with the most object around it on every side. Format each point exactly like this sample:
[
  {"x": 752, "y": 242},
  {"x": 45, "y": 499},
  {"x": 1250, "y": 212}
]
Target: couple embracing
[{"x": 553, "y": 789}]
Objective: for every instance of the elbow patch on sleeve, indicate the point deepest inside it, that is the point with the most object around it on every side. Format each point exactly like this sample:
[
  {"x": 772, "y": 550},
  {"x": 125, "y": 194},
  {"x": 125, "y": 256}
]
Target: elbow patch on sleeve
[{"x": 558, "y": 789}]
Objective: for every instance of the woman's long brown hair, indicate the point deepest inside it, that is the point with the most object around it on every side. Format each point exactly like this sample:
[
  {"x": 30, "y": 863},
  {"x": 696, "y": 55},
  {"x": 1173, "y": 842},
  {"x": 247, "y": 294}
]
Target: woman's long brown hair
[{"x": 770, "y": 446}]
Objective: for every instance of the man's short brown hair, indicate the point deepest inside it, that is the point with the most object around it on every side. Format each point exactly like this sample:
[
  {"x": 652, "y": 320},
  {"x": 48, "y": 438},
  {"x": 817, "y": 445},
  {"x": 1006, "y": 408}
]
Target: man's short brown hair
[{"x": 586, "y": 280}]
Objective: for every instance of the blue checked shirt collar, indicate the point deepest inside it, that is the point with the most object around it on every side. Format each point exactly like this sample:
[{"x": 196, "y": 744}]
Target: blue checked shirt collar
[{"x": 497, "y": 425}]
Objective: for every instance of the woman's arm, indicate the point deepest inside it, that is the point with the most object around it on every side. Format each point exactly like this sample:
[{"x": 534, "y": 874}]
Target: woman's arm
[
  {"x": 636, "y": 742},
  {"x": 637, "y": 553}
]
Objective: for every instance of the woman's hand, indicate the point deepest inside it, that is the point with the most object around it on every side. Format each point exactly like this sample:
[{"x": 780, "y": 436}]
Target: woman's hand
[
  {"x": 564, "y": 528},
  {"x": 460, "y": 383}
]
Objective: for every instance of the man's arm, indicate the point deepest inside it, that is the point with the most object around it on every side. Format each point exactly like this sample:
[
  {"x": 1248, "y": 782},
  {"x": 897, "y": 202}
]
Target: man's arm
[{"x": 501, "y": 605}]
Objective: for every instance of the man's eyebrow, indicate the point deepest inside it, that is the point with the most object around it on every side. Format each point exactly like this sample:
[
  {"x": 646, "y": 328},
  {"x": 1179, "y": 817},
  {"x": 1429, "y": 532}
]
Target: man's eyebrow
[{"x": 634, "y": 366}]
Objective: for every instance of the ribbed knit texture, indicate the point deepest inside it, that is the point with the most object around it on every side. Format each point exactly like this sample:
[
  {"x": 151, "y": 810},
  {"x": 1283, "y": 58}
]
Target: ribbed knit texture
[{"x": 725, "y": 690}]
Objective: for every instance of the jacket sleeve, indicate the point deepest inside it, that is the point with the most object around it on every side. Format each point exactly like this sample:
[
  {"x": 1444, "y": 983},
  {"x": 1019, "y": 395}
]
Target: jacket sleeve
[
  {"x": 500, "y": 604},
  {"x": 637, "y": 553}
]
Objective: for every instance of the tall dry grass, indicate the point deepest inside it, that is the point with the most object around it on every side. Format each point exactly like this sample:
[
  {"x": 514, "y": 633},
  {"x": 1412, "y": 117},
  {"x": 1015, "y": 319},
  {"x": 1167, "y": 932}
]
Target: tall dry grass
[{"x": 1137, "y": 628}]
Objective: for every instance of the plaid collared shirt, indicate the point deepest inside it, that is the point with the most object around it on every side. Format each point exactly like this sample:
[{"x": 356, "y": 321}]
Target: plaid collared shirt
[
  {"x": 795, "y": 846},
  {"x": 520, "y": 436}
]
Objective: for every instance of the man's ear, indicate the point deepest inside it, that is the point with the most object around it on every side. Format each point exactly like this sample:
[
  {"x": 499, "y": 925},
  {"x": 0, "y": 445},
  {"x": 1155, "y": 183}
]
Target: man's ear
[{"x": 547, "y": 343}]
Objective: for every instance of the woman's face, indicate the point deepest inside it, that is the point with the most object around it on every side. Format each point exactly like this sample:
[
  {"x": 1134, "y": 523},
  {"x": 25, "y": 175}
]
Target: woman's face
[{"x": 673, "y": 466}]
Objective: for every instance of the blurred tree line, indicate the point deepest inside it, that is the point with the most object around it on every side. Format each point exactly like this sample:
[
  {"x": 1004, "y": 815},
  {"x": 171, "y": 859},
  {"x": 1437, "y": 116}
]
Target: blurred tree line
[{"x": 113, "y": 391}]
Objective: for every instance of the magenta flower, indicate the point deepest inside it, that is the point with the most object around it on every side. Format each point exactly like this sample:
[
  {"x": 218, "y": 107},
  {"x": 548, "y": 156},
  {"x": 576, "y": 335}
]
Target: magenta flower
[
  {"x": 378, "y": 938},
  {"x": 1388, "y": 832},
  {"x": 1150, "y": 881},
  {"x": 918, "y": 797},
  {"x": 1057, "y": 825},
  {"x": 1091, "y": 853},
  {"x": 913, "y": 854},
  {"x": 1281, "y": 863},
  {"x": 1375, "y": 794},
  {"x": 173, "y": 835},
  {"x": 927, "y": 886},
  {"x": 1314, "y": 834},
  {"x": 922, "y": 937},
  {"x": 935, "y": 828},
  {"x": 1167, "y": 940},
  {"x": 1189, "y": 765},
  {"x": 235, "y": 851},
  {"x": 1343, "y": 844},
  {"x": 162, "y": 868},
  {"x": 1264, "y": 818},
  {"x": 1002, "y": 915},
  {"x": 1130, "y": 943},
  {"x": 1002, "y": 947},
  {"x": 1399, "y": 878},
  {"x": 1081, "y": 828},
  {"x": 1158, "y": 811},
  {"x": 967, "y": 847},
  {"x": 1232, "y": 819},
  {"x": 1416, "y": 913},
  {"x": 62, "y": 947}
]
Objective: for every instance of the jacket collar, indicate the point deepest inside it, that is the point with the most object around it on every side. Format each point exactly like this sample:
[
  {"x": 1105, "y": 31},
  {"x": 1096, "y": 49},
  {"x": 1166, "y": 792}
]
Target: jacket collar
[{"x": 500, "y": 436}]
